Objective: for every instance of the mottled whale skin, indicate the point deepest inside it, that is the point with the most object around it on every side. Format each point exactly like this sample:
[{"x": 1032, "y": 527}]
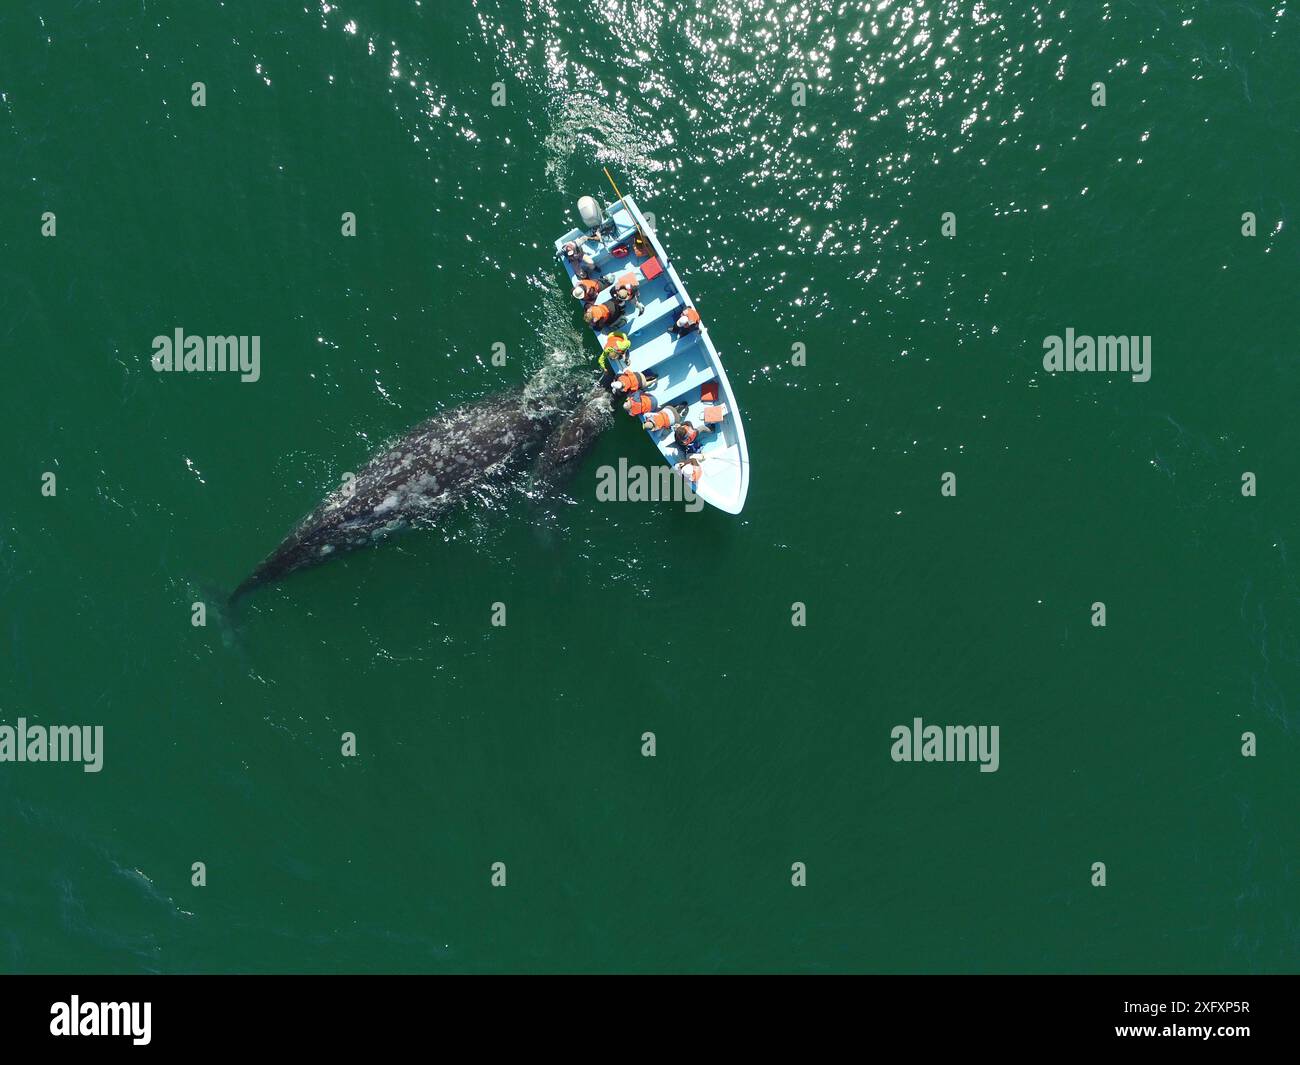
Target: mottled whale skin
[
  {"x": 419, "y": 478},
  {"x": 572, "y": 438}
]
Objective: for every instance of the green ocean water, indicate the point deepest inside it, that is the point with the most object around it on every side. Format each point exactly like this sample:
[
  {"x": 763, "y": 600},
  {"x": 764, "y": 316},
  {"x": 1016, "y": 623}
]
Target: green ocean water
[{"x": 815, "y": 225}]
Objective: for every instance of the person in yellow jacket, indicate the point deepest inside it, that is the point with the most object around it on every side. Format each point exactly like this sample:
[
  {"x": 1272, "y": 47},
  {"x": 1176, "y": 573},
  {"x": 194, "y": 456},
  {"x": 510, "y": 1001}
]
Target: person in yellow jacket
[{"x": 616, "y": 347}]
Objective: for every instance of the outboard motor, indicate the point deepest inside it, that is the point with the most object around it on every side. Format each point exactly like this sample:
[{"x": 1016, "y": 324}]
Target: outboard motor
[{"x": 592, "y": 216}]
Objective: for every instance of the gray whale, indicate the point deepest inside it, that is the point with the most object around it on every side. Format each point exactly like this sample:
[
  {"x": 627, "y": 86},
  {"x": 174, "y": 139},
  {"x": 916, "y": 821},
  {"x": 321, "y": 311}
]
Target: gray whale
[{"x": 431, "y": 469}]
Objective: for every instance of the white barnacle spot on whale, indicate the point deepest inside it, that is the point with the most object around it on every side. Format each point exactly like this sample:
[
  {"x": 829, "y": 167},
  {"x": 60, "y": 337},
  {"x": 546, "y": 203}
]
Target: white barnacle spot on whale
[
  {"x": 389, "y": 502},
  {"x": 325, "y": 549}
]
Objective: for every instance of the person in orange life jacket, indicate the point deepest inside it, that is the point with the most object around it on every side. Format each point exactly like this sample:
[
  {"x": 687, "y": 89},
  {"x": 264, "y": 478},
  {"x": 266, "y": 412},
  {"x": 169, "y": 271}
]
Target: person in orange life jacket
[
  {"x": 603, "y": 315},
  {"x": 639, "y": 403},
  {"x": 626, "y": 290},
  {"x": 687, "y": 322},
  {"x": 664, "y": 419},
  {"x": 691, "y": 470},
  {"x": 632, "y": 381},
  {"x": 586, "y": 290},
  {"x": 687, "y": 437}
]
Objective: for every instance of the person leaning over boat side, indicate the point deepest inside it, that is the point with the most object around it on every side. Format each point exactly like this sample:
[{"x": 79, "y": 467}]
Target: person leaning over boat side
[
  {"x": 639, "y": 403},
  {"x": 617, "y": 344},
  {"x": 583, "y": 262},
  {"x": 627, "y": 290},
  {"x": 687, "y": 437},
  {"x": 687, "y": 322},
  {"x": 633, "y": 381},
  {"x": 615, "y": 348},
  {"x": 586, "y": 290},
  {"x": 606, "y": 370},
  {"x": 575, "y": 249},
  {"x": 602, "y": 315},
  {"x": 664, "y": 419}
]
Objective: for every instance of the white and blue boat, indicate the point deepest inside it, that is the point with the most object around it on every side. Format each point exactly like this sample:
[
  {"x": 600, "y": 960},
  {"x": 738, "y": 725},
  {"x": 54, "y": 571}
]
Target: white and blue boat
[{"x": 687, "y": 369}]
